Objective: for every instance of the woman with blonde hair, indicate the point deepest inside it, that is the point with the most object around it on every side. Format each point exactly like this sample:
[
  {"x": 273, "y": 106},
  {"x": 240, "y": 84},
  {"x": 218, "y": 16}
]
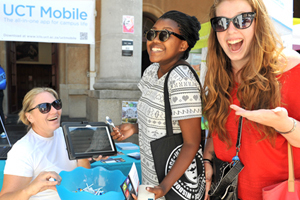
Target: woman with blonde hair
[
  {"x": 250, "y": 74},
  {"x": 34, "y": 162}
]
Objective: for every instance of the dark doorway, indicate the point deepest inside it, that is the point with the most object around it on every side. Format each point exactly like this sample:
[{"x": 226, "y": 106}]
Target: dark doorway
[
  {"x": 22, "y": 76},
  {"x": 31, "y": 76}
]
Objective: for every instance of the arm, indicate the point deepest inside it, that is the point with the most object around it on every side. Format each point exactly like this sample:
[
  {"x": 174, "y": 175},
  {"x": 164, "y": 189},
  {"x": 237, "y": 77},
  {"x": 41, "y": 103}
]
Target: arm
[
  {"x": 124, "y": 131},
  {"x": 208, "y": 154},
  {"x": 19, "y": 187},
  {"x": 277, "y": 118},
  {"x": 191, "y": 133},
  {"x": 84, "y": 163}
]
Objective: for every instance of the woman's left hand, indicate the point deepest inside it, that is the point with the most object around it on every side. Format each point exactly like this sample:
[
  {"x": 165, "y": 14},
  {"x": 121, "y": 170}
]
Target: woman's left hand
[
  {"x": 159, "y": 191},
  {"x": 276, "y": 118}
]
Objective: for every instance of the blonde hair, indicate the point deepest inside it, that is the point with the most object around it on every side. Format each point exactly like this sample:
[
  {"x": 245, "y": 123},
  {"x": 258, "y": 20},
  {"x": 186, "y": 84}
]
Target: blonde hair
[
  {"x": 259, "y": 87},
  {"x": 28, "y": 102}
]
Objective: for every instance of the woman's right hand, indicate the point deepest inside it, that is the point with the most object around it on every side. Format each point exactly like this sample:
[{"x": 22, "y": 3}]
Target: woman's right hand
[
  {"x": 124, "y": 131},
  {"x": 208, "y": 178},
  {"x": 45, "y": 180},
  {"x": 20, "y": 187}
]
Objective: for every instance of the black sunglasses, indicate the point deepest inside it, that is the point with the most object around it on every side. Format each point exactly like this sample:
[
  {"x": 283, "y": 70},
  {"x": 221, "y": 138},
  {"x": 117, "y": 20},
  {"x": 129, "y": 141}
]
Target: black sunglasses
[
  {"x": 241, "y": 21},
  {"x": 46, "y": 107},
  {"x": 163, "y": 35}
]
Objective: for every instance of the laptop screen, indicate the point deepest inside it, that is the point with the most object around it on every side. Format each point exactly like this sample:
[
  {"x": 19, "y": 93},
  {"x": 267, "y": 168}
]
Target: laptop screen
[{"x": 4, "y": 140}]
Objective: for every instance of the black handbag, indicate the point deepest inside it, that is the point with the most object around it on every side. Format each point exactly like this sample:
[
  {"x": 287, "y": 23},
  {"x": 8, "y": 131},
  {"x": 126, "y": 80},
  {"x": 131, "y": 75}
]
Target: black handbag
[
  {"x": 226, "y": 174},
  {"x": 165, "y": 151}
]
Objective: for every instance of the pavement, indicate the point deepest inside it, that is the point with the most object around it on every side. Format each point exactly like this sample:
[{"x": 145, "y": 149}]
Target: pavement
[{"x": 17, "y": 130}]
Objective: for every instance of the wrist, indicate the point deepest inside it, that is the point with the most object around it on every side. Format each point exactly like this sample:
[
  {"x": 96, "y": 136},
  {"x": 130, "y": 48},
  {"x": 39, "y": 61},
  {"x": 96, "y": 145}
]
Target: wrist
[
  {"x": 207, "y": 161},
  {"x": 293, "y": 127},
  {"x": 136, "y": 128},
  {"x": 26, "y": 192}
]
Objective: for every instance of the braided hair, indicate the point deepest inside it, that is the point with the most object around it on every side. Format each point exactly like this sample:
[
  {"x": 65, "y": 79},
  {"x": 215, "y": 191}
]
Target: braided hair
[{"x": 189, "y": 27}]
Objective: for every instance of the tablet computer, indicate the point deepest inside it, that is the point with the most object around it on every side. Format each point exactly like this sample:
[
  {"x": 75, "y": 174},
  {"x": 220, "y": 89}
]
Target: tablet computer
[{"x": 88, "y": 139}]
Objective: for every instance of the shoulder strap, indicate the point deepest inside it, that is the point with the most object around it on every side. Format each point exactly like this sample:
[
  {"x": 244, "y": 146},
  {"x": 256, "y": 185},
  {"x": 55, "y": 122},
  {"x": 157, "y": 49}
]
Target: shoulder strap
[
  {"x": 291, "y": 179},
  {"x": 238, "y": 141},
  {"x": 168, "y": 113}
]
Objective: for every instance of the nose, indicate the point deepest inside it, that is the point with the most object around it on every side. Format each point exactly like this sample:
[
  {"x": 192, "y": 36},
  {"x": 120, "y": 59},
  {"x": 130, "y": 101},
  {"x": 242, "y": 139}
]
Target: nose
[
  {"x": 156, "y": 38},
  {"x": 52, "y": 109},
  {"x": 231, "y": 27}
]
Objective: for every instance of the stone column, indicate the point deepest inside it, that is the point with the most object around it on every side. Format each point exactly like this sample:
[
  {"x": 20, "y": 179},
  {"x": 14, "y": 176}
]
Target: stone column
[{"x": 118, "y": 75}]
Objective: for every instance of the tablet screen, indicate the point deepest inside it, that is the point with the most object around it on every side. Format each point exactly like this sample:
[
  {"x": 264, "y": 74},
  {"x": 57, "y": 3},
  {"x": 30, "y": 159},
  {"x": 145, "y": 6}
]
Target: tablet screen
[{"x": 90, "y": 139}]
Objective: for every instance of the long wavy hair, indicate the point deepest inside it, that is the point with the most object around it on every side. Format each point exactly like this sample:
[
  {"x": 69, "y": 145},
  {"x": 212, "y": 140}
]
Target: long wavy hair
[{"x": 258, "y": 87}]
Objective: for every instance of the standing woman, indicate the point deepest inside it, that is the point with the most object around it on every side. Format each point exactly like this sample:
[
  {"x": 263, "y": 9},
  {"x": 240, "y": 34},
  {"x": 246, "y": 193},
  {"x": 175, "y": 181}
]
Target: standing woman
[
  {"x": 41, "y": 154},
  {"x": 250, "y": 75},
  {"x": 168, "y": 44}
]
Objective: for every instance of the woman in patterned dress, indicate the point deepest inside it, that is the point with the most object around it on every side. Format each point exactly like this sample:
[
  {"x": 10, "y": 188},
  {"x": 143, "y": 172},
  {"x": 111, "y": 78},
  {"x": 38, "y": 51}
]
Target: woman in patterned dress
[{"x": 168, "y": 43}]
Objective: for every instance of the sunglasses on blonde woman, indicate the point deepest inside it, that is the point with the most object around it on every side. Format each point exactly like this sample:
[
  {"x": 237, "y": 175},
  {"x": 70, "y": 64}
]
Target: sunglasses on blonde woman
[
  {"x": 46, "y": 107},
  {"x": 163, "y": 36},
  {"x": 240, "y": 21}
]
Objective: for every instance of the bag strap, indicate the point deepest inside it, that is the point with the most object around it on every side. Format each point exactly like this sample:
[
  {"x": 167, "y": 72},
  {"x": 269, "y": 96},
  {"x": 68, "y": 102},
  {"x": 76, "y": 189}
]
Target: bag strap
[
  {"x": 291, "y": 180},
  {"x": 222, "y": 187},
  {"x": 168, "y": 113},
  {"x": 238, "y": 141}
]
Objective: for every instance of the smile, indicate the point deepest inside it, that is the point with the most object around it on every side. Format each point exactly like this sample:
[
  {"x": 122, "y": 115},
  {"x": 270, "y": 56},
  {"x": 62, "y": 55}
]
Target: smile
[
  {"x": 52, "y": 119},
  {"x": 235, "y": 45},
  {"x": 156, "y": 49}
]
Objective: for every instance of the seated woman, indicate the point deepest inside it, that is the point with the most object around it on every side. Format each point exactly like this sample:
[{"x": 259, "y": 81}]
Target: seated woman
[{"x": 34, "y": 162}]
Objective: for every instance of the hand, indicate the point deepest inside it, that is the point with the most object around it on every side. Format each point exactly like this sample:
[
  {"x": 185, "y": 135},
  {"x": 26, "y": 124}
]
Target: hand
[
  {"x": 134, "y": 197},
  {"x": 124, "y": 131},
  {"x": 276, "y": 118},
  {"x": 208, "y": 179},
  {"x": 159, "y": 191},
  {"x": 100, "y": 157},
  {"x": 43, "y": 182}
]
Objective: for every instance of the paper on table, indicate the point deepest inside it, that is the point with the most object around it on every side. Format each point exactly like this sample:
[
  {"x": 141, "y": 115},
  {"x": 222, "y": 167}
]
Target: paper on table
[
  {"x": 135, "y": 155},
  {"x": 126, "y": 145},
  {"x": 133, "y": 174},
  {"x": 131, "y": 183}
]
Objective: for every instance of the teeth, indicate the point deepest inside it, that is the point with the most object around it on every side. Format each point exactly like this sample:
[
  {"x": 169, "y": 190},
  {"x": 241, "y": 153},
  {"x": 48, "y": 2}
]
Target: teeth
[
  {"x": 156, "y": 49},
  {"x": 51, "y": 119},
  {"x": 234, "y": 41}
]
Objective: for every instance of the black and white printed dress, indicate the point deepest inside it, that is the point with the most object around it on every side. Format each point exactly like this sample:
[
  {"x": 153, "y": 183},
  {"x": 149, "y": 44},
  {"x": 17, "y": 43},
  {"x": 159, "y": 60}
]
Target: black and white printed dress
[{"x": 184, "y": 91}]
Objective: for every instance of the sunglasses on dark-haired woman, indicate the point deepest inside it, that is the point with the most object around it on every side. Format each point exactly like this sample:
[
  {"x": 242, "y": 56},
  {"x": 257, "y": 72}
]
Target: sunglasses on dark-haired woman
[
  {"x": 46, "y": 107},
  {"x": 240, "y": 21},
  {"x": 163, "y": 36}
]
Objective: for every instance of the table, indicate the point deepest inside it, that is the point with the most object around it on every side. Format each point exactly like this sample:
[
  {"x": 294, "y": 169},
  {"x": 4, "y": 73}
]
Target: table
[
  {"x": 2, "y": 165},
  {"x": 124, "y": 167}
]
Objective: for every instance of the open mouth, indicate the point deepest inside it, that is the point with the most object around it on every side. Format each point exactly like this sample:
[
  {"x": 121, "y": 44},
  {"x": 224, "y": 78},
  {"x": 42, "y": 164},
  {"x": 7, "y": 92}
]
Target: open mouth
[
  {"x": 53, "y": 119},
  {"x": 235, "y": 45},
  {"x": 155, "y": 49}
]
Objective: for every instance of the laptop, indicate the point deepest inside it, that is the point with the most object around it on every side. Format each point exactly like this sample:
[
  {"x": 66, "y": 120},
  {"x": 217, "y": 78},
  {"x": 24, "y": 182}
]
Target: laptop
[{"x": 5, "y": 144}]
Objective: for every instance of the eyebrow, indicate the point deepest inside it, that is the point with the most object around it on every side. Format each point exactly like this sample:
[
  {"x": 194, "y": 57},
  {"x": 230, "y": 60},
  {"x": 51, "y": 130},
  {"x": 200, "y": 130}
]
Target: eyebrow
[
  {"x": 167, "y": 28},
  {"x": 236, "y": 14}
]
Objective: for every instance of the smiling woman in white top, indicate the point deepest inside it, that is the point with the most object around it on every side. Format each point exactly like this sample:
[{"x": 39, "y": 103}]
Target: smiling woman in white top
[{"x": 34, "y": 162}]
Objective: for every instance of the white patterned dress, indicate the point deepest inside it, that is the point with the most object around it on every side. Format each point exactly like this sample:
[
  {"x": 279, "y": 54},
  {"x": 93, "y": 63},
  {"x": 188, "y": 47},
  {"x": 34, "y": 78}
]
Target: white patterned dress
[{"x": 184, "y": 92}]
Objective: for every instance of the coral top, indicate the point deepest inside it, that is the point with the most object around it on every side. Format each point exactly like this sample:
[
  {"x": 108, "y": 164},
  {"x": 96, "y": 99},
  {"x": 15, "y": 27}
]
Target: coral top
[{"x": 264, "y": 165}]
